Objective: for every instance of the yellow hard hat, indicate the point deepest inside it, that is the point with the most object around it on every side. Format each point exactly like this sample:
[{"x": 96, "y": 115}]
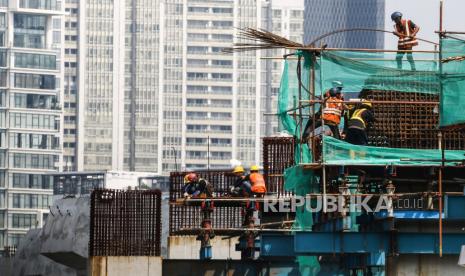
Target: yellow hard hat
[
  {"x": 238, "y": 169},
  {"x": 254, "y": 168}
]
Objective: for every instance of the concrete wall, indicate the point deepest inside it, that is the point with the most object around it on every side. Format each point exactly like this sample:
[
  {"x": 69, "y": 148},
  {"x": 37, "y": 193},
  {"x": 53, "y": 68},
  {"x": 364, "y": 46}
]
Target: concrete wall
[
  {"x": 65, "y": 236},
  {"x": 187, "y": 247},
  {"x": 61, "y": 246},
  {"x": 123, "y": 266},
  {"x": 29, "y": 261},
  {"x": 427, "y": 265}
]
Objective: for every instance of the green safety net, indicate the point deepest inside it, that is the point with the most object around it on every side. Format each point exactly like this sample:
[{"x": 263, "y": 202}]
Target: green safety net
[
  {"x": 303, "y": 182},
  {"x": 452, "y": 107},
  {"x": 337, "y": 152},
  {"x": 358, "y": 71}
]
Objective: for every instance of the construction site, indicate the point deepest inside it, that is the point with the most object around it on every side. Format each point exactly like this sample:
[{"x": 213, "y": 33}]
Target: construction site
[{"x": 395, "y": 206}]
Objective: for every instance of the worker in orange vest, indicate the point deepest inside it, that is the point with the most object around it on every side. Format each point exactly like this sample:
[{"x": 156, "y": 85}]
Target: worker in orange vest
[
  {"x": 256, "y": 180},
  {"x": 406, "y": 30},
  {"x": 332, "y": 111}
]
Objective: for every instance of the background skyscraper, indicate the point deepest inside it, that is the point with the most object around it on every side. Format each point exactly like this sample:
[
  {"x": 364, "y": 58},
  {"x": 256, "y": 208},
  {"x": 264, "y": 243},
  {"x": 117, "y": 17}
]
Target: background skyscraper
[
  {"x": 155, "y": 87},
  {"x": 322, "y": 16},
  {"x": 284, "y": 18},
  {"x": 31, "y": 35}
]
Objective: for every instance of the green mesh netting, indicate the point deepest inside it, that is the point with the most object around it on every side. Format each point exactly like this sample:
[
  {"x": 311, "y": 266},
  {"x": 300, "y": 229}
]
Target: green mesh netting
[
  {"x": 303, "y": 182},
  {"x": 453, "y": 83},
  {"x": 337, "y": 152},
  {"x": 378, "y": 71}
]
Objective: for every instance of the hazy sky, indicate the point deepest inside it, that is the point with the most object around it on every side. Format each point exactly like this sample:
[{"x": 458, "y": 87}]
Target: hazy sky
[{"x": 425, "y": 13}]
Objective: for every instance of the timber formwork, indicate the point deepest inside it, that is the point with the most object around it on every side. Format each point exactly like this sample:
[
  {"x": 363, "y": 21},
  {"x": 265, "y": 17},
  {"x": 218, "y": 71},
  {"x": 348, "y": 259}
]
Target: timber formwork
[{"x": 125, "y": 223}]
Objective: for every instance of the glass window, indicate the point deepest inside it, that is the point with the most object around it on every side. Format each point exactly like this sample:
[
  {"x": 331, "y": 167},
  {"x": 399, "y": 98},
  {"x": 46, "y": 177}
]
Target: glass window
[
  {"x": 34, "y": 81},
  {"x": 33, "y": 161},
  {"x": 3, "y": 78},
  {"x": 2, "y": 19},
  {"x": 29, "y": 30},
  {"x": 3, "y": 58},
  {"x": 14, "y": 239},
  {"x": 28, "y": 60},
  {"x": 25, "y": 221},
  {"x": 39, "y": 4}
]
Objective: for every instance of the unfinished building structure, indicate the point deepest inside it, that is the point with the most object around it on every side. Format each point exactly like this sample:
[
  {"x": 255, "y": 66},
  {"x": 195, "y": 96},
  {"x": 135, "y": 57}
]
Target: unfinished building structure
[{"x": 414, "y": 164}]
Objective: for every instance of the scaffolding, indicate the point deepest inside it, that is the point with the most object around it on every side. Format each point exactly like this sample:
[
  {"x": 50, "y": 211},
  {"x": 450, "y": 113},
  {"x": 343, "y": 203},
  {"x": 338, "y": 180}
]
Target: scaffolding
[{"x": 416, "y": 155}]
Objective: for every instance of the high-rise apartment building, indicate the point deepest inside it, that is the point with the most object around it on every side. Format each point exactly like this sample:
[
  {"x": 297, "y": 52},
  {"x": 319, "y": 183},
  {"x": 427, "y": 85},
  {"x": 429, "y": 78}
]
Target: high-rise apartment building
[
  {"x": 31, "y": 34},
  {"x": 323, "y": 16},
  {"x": 156, "y": 90},
  {"x": 286, "y": 19},
  {"x": 70, "y": 80}
]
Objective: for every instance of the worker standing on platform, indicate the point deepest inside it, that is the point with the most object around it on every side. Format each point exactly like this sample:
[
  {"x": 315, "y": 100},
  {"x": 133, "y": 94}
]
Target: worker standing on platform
[
  {"x": 361, "y": 120},
  {"x": 257, "y": 181},
  {"x": 332, "y": 111},
  {"x": 406, "y": 30},
  {"x": 242, "y": 187},
  {"x": 196, "y": 187}
]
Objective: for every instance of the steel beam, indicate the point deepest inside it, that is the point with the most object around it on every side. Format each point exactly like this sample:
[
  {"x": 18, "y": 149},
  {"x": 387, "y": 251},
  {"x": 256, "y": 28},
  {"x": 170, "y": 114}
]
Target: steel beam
[{"x": 375, "y": 243}]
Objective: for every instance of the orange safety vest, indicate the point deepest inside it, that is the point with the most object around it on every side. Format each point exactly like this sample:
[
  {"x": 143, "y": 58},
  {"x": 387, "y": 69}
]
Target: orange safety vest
[
  {"x": 332, "y": 110},
  {"x": 405, "y": 43},
  {"x": 258, "y": 183}
]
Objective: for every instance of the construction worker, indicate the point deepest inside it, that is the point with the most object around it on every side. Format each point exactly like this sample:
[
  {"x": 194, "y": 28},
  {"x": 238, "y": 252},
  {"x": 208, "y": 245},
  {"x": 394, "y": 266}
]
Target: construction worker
[
  {"x": 406, "y": 30},
  {"x": 242, "y": 187},
  {"x": 332, "y": 111},
  {"x": 196, "y": 187},
  {"x": 256, "y": 180},
  {"x": 361, "y": 119},
  {"x": 337, "y": 88}
]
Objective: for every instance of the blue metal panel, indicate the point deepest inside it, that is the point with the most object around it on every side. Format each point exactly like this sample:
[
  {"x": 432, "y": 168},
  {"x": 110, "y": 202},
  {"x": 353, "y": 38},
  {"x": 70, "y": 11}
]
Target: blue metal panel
[
  {"x": 410, "y": 214},
  {"x": 344, "y": 242},
  {"x": 454, "y": 207},
  {"x": 319, "y": 243},
  {"x": 276, "y": 245},
  {"x": 428, "y": 243}
]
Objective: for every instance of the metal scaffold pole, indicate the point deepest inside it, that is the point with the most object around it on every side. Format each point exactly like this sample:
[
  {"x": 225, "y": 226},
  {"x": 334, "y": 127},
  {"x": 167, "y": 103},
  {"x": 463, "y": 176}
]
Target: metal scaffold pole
[{"x": 440, "y": 135}]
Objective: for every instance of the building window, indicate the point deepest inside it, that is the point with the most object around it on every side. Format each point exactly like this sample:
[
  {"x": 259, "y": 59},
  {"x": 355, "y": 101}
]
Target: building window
[
  {"x": 31, "y": 181},
  {"x": 29, "y": 30},
  {"x": 34, "y": 81},
  {"x": 24, "y": 221},
  {"x": 27, "y": 60}
]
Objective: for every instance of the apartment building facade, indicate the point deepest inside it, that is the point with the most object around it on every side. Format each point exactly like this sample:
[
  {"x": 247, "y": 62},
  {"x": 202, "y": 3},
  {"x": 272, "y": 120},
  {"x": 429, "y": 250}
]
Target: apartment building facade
[
  {"x": 157, "y": 93},
  {"x": 30, "y": 112}
]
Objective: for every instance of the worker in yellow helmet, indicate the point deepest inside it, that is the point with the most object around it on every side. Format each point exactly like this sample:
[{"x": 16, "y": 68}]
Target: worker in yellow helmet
[
  {"x": 359, "y": 122},
  {"x": 256, "y": 180},
  {"x": 242, "y": 187}
]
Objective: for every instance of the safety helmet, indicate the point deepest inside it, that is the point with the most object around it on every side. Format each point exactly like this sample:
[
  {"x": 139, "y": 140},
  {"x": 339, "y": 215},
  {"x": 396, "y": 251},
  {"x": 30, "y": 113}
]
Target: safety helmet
[
  {"x": 333, "y": 92},
  {"x": 338, "y": 84},
  {"x": 367, "y": 103},
  {"x": 396, "y": 15},
  {"x": 254, "y": 168},
  {"x": 190, "y": 177},
  {"x": 238, "y": 169}
]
